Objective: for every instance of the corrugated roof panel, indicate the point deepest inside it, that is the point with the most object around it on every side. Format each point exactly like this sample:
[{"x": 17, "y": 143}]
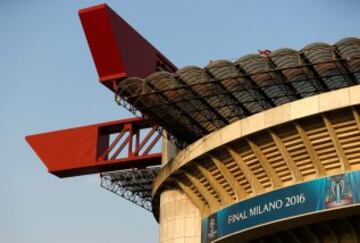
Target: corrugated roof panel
[{"x": 193, "y": 101}]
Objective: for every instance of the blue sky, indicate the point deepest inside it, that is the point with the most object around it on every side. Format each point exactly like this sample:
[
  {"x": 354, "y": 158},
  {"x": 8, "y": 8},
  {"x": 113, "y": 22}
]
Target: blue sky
[{"x": 48, "y": 81}]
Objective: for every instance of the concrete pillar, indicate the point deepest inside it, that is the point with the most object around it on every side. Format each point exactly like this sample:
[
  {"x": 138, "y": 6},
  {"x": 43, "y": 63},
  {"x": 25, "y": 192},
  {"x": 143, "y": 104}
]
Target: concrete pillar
[
  {"x": 180, "y": 220},
  {"x": 168, "y": 149}
]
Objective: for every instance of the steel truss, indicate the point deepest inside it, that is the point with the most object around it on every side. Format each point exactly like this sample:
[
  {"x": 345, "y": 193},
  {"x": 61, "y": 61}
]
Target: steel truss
[{"x": 134, "y": 185}]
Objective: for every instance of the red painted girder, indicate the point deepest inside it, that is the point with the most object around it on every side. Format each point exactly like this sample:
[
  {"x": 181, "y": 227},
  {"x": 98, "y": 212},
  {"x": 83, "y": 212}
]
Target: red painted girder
[
  {"x": 85, "y": 150},
  {"x": 117, "y": 49}
]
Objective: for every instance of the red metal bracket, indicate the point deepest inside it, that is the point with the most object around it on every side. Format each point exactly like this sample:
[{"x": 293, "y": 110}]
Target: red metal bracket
[
  {"x": 98, "y": 148},
  {"x": 117, "y": 49},
  {"x": 118, "y": 52}
]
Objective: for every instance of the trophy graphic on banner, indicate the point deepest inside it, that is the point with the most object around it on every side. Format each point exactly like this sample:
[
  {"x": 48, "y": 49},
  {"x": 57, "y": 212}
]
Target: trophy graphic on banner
[{"x": 338, "y": 191}]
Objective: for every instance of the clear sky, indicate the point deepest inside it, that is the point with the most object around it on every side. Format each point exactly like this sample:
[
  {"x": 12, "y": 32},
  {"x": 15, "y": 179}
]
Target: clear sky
[{"x": 48, "y": 81}]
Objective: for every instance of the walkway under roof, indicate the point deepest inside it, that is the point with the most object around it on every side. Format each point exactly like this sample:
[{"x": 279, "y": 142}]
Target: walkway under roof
[{"x": 193, "y": 101}]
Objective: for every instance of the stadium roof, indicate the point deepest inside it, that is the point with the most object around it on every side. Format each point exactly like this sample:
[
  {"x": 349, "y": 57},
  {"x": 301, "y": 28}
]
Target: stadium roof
[{"x": 193, "y": 101}]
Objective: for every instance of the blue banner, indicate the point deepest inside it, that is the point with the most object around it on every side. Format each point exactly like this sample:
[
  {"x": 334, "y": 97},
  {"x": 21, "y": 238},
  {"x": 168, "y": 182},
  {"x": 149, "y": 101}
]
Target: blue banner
[{"x": 316, "y": 195}]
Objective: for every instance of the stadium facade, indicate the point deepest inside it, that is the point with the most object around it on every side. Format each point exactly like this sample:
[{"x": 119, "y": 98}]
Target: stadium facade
[{"x": 288, "y": 173}]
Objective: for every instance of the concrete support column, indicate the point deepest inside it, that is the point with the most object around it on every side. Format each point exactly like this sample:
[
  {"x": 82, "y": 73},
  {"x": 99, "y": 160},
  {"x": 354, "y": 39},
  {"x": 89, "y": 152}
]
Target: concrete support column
[
  {"x": 180, "y": 220},
  {"x": 168, "y": 149}
]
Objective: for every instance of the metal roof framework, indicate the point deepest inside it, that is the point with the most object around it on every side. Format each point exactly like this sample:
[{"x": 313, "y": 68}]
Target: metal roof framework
[
  {"x": 193, "y": 102},
  {"x": 134, "y": 185}
]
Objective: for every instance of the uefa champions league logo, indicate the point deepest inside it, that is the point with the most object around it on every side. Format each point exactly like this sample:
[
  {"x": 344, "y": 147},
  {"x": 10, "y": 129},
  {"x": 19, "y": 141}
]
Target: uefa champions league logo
[{"x": 212, "y": 229}]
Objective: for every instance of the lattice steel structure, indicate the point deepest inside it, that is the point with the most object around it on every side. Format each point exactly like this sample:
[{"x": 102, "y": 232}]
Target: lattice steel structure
[
  {"x": 193, "y": 101},
  {"x": 134, "y": 185}
]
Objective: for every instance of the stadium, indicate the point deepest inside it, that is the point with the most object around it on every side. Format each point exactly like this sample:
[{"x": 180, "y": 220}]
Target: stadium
[
  {"x": 262, "y": 149},
  {"x": 270, "y": 170}
]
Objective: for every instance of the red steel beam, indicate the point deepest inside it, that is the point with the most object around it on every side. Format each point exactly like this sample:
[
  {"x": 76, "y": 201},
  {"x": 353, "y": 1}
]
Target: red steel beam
[
  {"x": 117, "y": 49},
  {"x": 118, "y": 52},
  {"x": 87, "y": 149}
]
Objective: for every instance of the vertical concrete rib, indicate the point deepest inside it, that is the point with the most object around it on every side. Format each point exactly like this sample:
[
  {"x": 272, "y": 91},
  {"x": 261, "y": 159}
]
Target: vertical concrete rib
[
  {"x": 271, "y": 173},
  {"x": 339, "y": 150},
  {"x": 256, "y": 186},
  {"x": 319, "y": 168},
  {"x": 234, "y": 184},
  {"x": 211, "y": 199},
  {"x": 294, "y": 170},
  {"x": 224, "y": 196}
]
